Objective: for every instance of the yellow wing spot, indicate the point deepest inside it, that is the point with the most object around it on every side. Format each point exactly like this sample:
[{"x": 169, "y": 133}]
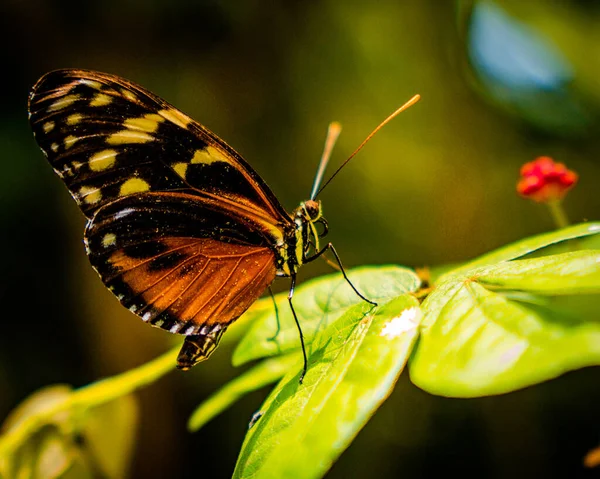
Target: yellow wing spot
[
  {"x": 54, "y": 147},
  {"x": 129, "y": 94},
  {"x": 90, "y": 195},
  {"x": 74, "y": 119},
  {"x": 91, "y": 83},
  {"x": 180, "y": 169},
  {"x": 63, "y": 102},
  {"x": 70, "y": 141},
  {"x": 175, "y": 116},
  {"x": 103, "y": 160},
  {"x": 132, "y": 186},
  {"x": 66, "y": 170},
  {"x": 129, "y": 136},
  {"x": 202, "y": 156},
  {"x": 101, "y": 99},
  {"x": 70, "y": 170},
  {"x": 110, "y": 239},
  {"x": 148, "y": 122},
  {"x": 209, "y": 155},
  {"x": 48, "y": 126}
]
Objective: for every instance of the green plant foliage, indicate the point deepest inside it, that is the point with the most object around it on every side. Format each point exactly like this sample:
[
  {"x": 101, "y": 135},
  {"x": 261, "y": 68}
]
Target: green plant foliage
[
  {"x": 514, "y": 317},
  {"x": 561, "y": 274},
  {"x": 109, "y": 435},
  {"x": 534, "y": 244},
  {"x": 318, "y": 304},
  {"x": 353, "y": 366},
  {"x": 497, "y": 328},
  {"x": 261, "y": 375},
  {"x": 70, "y": 444},
  {"x": 60, "y": 432},
  {"x": 45, "y": 454}
]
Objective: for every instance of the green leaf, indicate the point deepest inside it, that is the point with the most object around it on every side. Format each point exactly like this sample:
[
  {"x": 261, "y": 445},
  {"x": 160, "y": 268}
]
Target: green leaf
[
  {"x": 109, "y": 435},
  {"x": 353, "y": 367},
  {"x": 264, "y": 373},
  {"x": 38, "y": 402},
  {"x": 475, "y": 341},
  {"x": 562, "y": 274},
  {"x": 57, "y": 457},
  {"x": 577, "y": 244},
  {"x": 258, "y": 311},
  {"x": 318, "y": 303},
  {"x": 530, "y": 245},
  {"x": 71, "y": 443},
  {"x": 436, "y": 272},
  {"x": 574, "y": 309},
  {"x": 46, "y": 454},
  {"x": 74, "y": 405}
]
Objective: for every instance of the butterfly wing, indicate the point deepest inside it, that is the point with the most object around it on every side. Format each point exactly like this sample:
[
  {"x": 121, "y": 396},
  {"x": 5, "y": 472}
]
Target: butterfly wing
[
  {"x": 107, "y": 137},
  {"x": 180, "y": 228},
  {"x": 174, "y": 262}
]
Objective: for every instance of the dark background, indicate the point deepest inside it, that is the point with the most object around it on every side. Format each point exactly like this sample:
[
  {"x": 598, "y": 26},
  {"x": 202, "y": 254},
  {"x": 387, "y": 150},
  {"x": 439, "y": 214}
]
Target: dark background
[{"x": 501, "y": 84}]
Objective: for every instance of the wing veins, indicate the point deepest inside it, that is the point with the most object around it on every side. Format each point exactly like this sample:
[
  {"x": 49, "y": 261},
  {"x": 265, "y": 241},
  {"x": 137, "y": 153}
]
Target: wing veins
[
  {"x": 239, "y": 293},
  {"x": 170, "y": 287},
  {"x": 149, "y": 260},
  {"x": 166, "y": 308},
  {"x": 207, "y": 301}
]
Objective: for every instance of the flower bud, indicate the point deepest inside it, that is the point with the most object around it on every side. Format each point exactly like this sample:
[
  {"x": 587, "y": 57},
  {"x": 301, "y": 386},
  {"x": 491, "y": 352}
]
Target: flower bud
[{"x": 543, "y": 180}]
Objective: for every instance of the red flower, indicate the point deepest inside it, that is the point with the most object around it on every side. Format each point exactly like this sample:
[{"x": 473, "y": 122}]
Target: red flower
[{"x": 543, "y": 180}]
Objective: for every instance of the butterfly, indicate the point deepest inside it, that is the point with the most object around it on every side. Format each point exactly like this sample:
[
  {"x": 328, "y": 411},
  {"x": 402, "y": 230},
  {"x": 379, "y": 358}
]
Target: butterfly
[{"x": 179, "y": 226}]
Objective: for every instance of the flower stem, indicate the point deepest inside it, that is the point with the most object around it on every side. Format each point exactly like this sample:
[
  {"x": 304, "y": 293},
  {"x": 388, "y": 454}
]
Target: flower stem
[{"x": 558, "y": 214}]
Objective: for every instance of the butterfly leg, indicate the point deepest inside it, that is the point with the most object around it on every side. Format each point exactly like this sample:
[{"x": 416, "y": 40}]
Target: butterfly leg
[
  {"x": 290, "y": 296},
  {"x": 341, "y": 267},
  {"x": 331, "y": 263},
  {"x": 198, "y": 347},
  {"x": 274, "y": 337}
]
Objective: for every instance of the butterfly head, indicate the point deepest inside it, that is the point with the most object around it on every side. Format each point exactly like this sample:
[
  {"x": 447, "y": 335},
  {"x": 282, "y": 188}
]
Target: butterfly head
[
  {"x": 307, "y": 216},
  {"x": 311, "y": 210}
]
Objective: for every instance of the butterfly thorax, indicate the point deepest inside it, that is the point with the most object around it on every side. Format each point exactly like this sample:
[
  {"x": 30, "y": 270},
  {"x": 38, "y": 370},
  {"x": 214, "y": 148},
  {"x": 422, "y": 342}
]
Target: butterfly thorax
[{"x": 301, "y": 239}]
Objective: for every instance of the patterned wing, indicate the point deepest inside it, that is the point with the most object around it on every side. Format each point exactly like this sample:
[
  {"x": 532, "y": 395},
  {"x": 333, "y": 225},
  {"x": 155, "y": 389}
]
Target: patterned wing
[
  {"x": 169, "y": 260},
  {"x": 108, "y": 138},
  {"x": 180, "y": 228}
]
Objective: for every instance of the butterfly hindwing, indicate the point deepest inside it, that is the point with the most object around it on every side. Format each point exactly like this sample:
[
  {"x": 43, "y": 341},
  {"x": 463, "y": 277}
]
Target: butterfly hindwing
[{"x": 167, "y": 260}]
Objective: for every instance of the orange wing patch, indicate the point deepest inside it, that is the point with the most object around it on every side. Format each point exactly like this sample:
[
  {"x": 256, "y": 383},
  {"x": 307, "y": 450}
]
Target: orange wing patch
[{"x": 194, "y": 282}]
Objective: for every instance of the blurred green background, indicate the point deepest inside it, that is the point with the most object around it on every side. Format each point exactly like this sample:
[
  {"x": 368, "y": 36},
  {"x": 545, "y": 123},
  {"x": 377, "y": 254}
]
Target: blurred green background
[{"x": 501, "y": 83}]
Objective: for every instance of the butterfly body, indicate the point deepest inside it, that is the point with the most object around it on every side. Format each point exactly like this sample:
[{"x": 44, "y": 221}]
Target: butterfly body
[{"x": 180, "y": 228}]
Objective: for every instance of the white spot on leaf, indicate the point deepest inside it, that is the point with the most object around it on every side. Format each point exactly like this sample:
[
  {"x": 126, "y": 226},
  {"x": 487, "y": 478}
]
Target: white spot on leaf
[{"x": 407, "y": 321}]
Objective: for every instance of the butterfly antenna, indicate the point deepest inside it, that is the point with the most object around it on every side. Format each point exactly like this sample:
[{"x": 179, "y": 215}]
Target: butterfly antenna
[
  {"x": 333, "y": 132},
  {"x": 408, "y": 104}
]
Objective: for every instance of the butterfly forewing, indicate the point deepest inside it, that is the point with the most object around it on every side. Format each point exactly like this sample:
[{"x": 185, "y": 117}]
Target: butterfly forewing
[
  {"x": 180, "y": 228},
  {"x": 108, "y": 138}
]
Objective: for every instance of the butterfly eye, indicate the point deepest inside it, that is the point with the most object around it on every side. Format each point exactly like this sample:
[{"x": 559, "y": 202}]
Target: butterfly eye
[{"x": 313, "y": 209}]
